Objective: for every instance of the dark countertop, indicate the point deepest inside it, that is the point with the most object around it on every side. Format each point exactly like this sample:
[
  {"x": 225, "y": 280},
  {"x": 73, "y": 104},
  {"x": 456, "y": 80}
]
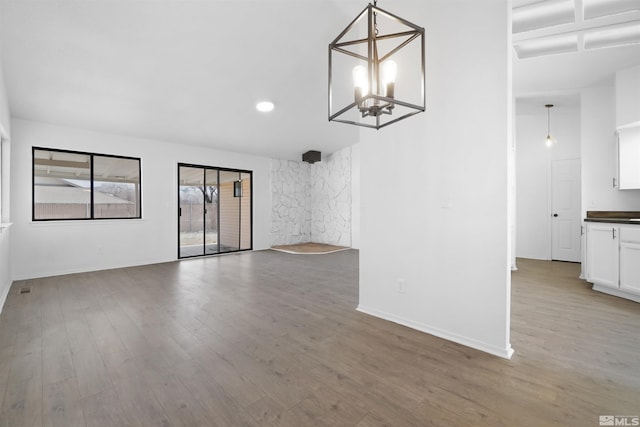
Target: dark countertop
[
  {"x": 634, "y": 221},
  {"x": 616, "y": 217}
]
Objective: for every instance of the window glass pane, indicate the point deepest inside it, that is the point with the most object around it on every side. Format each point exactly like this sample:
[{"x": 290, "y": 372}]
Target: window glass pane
[
  {"x": 245, "y": 211},
  {"x": 191, "y": 211},
  {"x": 229, "y": 212},
  {"x": 61, "y": 185},
  {"x": 63, "y": 182},
  {"x": 210, "y": 193},
  {"x": 116, "y": 187}
]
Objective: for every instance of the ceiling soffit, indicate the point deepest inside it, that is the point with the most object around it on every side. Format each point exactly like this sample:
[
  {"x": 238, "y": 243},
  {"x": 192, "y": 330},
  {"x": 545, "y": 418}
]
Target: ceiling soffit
[{"x": 550, "y": 27}]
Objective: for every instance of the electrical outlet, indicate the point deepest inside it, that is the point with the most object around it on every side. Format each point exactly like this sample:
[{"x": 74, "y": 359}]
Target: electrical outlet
[{"x": 402, "y": 286}]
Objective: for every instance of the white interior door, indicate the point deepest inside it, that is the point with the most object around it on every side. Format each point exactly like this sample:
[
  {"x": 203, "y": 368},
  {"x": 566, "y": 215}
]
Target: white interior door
[{"x": 565, "y": 210}]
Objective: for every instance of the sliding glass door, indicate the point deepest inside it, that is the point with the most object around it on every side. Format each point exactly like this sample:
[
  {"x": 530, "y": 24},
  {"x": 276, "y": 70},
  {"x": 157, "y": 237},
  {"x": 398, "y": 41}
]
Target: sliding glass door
[
  {"x": 214, "y": 214},
  {"x": 192, "y": 212}
]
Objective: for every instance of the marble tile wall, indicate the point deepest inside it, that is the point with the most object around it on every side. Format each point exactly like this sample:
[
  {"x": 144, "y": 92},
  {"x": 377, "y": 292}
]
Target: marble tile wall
[
  {"x": 312, "y": 202},
  {"x": 331, "y": 199},
  {"x": 290, "y": 202}
]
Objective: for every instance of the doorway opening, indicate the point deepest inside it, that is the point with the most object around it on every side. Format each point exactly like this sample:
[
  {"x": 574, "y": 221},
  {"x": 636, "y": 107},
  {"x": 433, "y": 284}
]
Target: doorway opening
[{"x": 214, "y": 210}]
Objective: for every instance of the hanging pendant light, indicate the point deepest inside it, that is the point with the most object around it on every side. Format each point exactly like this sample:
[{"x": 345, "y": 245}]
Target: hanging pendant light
[
  {"x": 549, "y": 141},
  {"x": 375, "y": 99}
]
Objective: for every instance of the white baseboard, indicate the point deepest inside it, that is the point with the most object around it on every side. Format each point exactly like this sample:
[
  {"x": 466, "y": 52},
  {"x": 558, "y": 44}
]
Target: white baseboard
[
  {"x": 90, "y": 268},
  {"x": 505, "y": 353},
  {"x": 616, "y": 292},
  {"x": 5, "y": 294}
]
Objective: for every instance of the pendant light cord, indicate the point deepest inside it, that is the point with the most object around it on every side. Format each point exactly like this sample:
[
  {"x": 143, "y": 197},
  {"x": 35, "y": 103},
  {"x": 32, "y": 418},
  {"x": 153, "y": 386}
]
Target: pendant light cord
[
  {"x": 549, "y": 140},
  {"x": 549, "y": 106}
]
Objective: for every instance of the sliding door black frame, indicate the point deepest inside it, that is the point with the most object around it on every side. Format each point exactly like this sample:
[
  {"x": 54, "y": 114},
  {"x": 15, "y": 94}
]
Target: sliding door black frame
[{"x": 218, "y": 170}]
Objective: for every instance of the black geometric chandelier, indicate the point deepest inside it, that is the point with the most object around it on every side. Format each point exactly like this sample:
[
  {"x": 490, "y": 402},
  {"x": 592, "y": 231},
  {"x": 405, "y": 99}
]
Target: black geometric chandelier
[{"x": 377, "y": 79}]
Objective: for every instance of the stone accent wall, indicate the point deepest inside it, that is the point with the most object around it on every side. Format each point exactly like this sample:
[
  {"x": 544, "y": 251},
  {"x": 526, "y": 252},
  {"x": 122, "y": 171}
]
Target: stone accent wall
[
  {"x": 331, "y": 199},
  {"x": 312, "y": 203},
  {"x": 290, "y": 202}
]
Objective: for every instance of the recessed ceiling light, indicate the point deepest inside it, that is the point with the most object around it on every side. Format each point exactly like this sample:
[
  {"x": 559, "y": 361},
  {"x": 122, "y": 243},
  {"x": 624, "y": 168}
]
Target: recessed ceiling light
[{"x": 264, "y": 106}]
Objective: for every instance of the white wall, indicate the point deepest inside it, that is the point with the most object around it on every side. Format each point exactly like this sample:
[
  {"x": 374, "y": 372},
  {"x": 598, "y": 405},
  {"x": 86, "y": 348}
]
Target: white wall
[
  {"x": 434, "y": 187},
  {"x": 533, "y": 174},
  {"x": 58, "y": 247},
  {"x": 355, "y": 196},
  {"x": 511, "y": 166},
  {"x": 599, "y": 154},
  {"x": 5, "y": 233},
  {"x": 4, "y": 105},
  {"x": 628, "y": 96}
]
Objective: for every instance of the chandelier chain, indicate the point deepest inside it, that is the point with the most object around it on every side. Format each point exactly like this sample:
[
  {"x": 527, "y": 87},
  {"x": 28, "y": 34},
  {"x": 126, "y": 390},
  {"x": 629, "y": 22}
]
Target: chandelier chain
[{"x": 375, "y": 18}]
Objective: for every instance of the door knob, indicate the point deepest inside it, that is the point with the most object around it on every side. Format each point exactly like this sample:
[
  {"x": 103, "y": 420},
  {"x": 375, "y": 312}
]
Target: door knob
[{"x": 555, "y": 215}]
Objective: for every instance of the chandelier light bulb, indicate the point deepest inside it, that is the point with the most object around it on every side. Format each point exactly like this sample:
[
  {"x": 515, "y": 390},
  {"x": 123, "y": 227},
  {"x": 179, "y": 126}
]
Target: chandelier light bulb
[
  {"x": 389, "y": 71},
  {"x": 549, "y": 141},
  {"x": 360, "y": 81},
  {"x": 360, "y": 76}
]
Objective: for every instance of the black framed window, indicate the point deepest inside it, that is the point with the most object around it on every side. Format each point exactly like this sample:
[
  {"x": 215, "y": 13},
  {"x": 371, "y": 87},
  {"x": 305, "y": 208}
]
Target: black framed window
[{"x": 72, "y": 185}]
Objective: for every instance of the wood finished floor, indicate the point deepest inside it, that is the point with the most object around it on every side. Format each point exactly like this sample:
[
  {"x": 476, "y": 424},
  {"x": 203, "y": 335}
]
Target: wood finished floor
[
  {"x": 309, "y": 248},
  {"x": 272, "y": 339}
]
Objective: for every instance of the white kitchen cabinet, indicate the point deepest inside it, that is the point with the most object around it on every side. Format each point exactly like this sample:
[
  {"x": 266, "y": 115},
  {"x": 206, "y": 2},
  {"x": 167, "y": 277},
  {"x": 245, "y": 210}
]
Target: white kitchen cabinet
[
  {"x": 603, "y": 254},
  {"x": 613, "y": 259},
  {"x": 628, "y": 167},
  {"x": 630, "y": 259}
]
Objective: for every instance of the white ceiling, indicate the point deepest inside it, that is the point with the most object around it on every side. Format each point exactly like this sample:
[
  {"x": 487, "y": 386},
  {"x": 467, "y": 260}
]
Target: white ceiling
[
  {"x": 192, "y": 71},
  {"x": 183, "y": 71},
  {"x": 561, "y": 46}
]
